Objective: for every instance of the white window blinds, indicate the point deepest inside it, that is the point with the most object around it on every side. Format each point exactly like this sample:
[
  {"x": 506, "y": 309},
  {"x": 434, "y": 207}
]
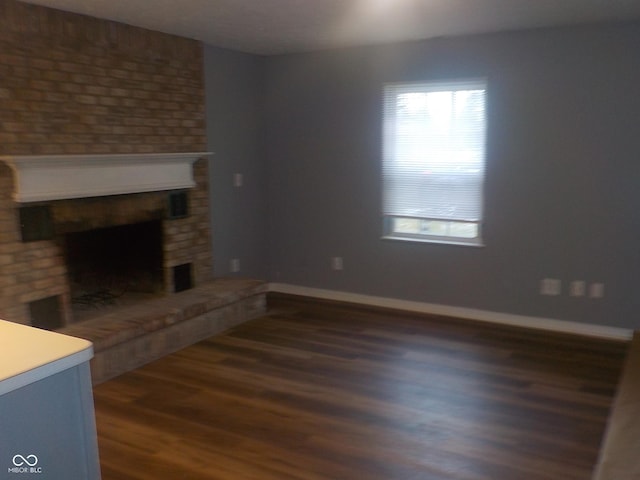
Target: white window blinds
[{"x": 434, "y": 151}]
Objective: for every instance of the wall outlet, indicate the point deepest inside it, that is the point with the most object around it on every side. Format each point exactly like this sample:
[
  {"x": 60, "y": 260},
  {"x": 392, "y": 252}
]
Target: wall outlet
[
  {"x": 234, "y": 265},
  {"x": 596, "y": 290},
  {"x": 238, "y": 179},
  {"x": 337, "y": 263},
  {"x": 550, "y": 286},
  {"x": 577, "y": 288}
]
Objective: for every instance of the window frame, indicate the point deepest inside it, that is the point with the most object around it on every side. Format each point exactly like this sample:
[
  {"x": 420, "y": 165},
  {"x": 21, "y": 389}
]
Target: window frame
[{"x": 389, "y": 122}]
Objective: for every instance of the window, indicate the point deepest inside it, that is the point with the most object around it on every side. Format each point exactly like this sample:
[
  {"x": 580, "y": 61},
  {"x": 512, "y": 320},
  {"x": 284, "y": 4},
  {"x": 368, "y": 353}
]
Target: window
[{"x": 434, "y": 161}]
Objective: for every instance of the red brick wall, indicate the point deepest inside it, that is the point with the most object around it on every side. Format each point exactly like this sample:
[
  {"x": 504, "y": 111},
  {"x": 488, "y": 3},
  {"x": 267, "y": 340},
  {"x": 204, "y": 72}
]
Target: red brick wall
[
  {"x": 72, "y": 84},
  {"x": 75, "y": 84}
]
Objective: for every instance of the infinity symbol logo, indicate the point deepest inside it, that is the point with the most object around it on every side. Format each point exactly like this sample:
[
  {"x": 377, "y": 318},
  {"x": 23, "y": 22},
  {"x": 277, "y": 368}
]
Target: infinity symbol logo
[{"x": 19, "y": 460}]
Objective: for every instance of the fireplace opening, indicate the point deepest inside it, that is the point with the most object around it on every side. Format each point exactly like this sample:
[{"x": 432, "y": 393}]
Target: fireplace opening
[{"x": 115, "y": 266}]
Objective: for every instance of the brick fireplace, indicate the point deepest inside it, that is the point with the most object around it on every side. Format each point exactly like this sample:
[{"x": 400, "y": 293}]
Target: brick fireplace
[
  {"x": 64, "y": 260},
  {"x": 77, "y": 87}
]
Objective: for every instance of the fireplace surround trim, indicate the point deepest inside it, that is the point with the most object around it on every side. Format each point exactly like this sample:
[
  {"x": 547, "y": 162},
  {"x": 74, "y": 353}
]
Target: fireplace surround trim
[{"x": 40, "y": 178}]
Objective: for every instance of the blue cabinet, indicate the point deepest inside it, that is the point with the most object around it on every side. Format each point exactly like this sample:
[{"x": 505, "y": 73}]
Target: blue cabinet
[{"x": 47, "y": 418}]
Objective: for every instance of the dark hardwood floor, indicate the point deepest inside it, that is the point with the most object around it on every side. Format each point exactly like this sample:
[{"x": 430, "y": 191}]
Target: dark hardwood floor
[{"x": 318, "y": 391}]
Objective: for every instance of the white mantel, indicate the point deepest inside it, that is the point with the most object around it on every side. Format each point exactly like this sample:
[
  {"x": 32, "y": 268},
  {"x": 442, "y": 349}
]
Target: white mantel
[{"x": 55, "y": 177}]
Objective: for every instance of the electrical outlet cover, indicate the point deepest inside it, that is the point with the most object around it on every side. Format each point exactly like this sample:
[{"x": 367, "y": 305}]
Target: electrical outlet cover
[
  {"x": 578, "y": 288},
  {"x": 596, "y": 290},
  {"x": 550, "y": 286}
]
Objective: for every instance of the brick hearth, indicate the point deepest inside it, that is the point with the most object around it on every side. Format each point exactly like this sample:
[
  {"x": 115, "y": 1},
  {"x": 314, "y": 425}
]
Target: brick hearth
[{"x": 128, "y": 338}]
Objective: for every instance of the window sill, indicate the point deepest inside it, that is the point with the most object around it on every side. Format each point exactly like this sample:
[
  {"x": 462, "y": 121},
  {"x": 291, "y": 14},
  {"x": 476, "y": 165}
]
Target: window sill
[{"x": 444, "y": 241}]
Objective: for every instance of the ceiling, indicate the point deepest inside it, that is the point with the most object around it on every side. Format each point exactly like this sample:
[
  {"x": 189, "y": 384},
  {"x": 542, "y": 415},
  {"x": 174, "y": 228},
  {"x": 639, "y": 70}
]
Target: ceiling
[{"x": 270, "y": 27}]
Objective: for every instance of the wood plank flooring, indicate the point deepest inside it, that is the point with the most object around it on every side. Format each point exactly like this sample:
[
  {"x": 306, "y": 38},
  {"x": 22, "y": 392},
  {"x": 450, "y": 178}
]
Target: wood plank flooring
[{"x": 320, "y": 391}]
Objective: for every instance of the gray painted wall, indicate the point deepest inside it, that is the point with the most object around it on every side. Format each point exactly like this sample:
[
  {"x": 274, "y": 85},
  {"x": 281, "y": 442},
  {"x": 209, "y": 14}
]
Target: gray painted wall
[
  {"x": 234, "y": 133},
  {"x": 563, "y": 170},
  {"x": 563, "y": 181}
]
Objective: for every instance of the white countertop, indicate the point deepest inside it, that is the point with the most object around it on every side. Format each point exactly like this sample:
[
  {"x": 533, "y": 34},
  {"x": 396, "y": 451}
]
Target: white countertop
[{"x": 29, "y": 354}]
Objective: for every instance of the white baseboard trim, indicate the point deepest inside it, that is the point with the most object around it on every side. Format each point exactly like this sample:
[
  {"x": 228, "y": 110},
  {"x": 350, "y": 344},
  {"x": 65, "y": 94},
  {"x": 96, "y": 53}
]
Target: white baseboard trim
[{"x": 538, "y": 323}]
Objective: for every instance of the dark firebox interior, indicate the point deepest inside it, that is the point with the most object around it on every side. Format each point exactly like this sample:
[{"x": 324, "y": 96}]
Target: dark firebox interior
[{"x": 107, "y": 263}]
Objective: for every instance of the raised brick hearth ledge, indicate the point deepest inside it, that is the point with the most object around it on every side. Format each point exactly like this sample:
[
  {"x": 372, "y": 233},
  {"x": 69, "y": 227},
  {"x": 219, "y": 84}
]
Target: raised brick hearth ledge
[{"x": 144, "y": 332}]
